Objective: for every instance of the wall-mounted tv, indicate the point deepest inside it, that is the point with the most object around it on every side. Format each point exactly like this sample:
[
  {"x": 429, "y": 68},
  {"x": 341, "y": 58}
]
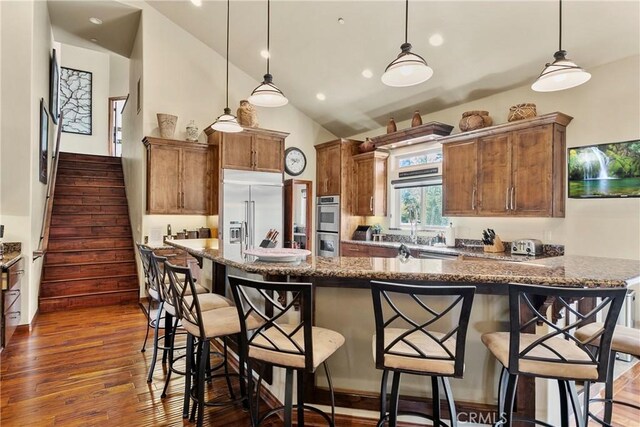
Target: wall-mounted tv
[{"x": 605, "y": 170}]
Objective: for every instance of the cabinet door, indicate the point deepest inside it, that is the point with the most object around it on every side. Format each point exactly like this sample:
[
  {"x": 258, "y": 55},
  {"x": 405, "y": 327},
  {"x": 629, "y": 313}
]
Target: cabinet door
[
  {"x": 459, "y": 178},
  {"x": 163, "y": 180},
  {"x": 364, "y": 186},
  {"x": 328, "y": 170},
  {"x": 195, "y": 181},
  {"x": 237, "y": 151},
  {"x": 533, "y": 171},
  {"x": 494, "y": 175},
  {"x": 268, "y": 154}
]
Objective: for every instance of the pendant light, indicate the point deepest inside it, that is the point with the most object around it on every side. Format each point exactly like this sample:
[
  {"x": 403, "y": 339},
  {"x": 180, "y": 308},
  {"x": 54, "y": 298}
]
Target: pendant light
[
  {"x": 407, "y": 69},
  {"x": 267, "y": 94},
  {"x": 562, "y": 73},
  {"x": 227, "y": 122}
]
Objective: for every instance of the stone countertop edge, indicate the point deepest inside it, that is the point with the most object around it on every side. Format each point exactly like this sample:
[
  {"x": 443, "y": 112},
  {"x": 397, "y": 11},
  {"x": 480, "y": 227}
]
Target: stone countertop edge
[
  {"x": 574, "y": 271},
  {"x": 472, "y": 252},
  {"x": 10, "y": 258}
]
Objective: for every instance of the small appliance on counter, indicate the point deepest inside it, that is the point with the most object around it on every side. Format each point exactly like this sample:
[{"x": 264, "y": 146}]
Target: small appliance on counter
[
  {"x": 363, "y": 232},
  {"x": 526, "y": 247}
]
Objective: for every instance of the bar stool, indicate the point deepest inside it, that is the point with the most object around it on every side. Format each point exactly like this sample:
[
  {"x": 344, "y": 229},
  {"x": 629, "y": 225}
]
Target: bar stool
[
  {"x": 405, "y": 343},
  {"x": 625, "y": 340},
  {"x": 557, "y": 354},
  {"x": 152, "y": 291},
  {"x": 208, "y": 301},
  {"x": 202, "y": 327},
  {"x": 293, "y": 345}
]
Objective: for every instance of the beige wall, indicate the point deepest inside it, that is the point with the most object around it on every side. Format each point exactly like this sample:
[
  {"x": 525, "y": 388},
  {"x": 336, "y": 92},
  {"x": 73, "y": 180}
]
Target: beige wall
[
  {"x": 606, "y": 109},
  {"x": 26, "y": 48}
]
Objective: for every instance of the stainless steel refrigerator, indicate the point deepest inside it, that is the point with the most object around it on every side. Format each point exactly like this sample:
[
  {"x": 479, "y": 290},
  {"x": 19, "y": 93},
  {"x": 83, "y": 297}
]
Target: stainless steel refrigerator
[{"x": 252, "y": 205}]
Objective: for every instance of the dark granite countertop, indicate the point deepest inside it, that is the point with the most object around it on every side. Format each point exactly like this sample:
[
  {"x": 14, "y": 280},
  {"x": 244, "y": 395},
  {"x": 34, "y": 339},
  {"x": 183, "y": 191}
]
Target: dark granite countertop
[
  {"x": 558, "y": 271},
  {"x": 9, "y": 258}
]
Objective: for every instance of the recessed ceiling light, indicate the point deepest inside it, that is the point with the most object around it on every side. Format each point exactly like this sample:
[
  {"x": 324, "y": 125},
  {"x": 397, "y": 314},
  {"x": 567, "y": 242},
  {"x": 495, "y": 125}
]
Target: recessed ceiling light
[
  {"x": 95, "y": 20},
  {"x": 197, "y": 2},
  {"x": 320, "y": 96},
  {"x": 367, "y": 73},
  {"x": 94, "y": 40},
  {"x": 264, "y": 53},
  {"x": 340, "y": 21},
  {"x": 436, "y": 40}
]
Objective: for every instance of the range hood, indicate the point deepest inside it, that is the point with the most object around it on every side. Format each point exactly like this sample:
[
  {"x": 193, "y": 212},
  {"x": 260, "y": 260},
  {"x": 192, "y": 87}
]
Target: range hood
[{"x": 425, "y": 132}]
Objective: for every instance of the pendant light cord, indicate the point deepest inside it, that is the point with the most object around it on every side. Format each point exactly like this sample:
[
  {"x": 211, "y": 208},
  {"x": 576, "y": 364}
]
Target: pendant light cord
[
  {"x": 406, "y": 21},
  {"x": 228, "y": 2},
  {"x": 560, "y": 30},
  {"x": 268, "y": 33}
]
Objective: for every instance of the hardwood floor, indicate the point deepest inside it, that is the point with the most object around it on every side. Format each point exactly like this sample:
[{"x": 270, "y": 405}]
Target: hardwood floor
[{"x": 84, "y": 367}]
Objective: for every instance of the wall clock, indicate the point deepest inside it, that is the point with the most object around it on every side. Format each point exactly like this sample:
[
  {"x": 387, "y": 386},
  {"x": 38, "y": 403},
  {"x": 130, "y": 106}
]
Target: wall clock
[{"x": 295, "y": 161}]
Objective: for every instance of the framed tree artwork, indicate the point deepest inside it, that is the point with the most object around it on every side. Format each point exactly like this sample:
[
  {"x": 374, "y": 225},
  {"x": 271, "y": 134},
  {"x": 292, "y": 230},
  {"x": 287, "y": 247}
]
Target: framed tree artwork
[
  {"x": 54, "y": 85},
  {"x": 44, "y": 142},
  {"x": 75, "y": 100}
]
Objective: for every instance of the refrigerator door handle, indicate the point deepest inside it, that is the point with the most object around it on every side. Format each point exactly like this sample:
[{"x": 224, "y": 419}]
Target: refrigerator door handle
[{"x": 253, "y": 222}]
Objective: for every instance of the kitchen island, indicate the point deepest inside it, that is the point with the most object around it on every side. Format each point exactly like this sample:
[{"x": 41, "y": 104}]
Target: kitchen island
[{"x": 343, "y": 303}]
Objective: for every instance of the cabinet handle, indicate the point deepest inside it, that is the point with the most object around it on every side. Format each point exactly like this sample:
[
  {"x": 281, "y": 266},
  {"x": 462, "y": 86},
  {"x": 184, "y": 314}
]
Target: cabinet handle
[
  {"x": 182, "y": 199},
  {"x": 371, "y": 203},
  {"x": 513, "y": 197},
  {"x": 506, "y": 199},
  {"x": 473, "y": 199},
  {"x": 326, "y": 184},
  {"x": 179, "y": 199}
]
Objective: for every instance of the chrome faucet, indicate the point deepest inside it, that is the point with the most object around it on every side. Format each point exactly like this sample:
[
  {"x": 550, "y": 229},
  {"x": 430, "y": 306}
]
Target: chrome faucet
[{"x": 413, "y": 225}]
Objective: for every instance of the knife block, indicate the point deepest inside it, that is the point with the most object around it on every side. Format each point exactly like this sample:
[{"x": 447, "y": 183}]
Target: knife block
[
  {"x": 267, "y": 244},
  {"x": 497, "y": 246}
]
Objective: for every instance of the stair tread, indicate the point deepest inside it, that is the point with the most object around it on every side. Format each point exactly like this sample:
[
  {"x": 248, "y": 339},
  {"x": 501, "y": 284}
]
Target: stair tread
[
  {"x": 115, "y": 291},
  {"x": 115, "y": 236},
  {"x": 56, "y": 251},
  {"x": 90, "y": 278},
  {"x": 65, "y": 264},
  {"x": 86, "y": 225},
  {"x": 89, "y": 185}
]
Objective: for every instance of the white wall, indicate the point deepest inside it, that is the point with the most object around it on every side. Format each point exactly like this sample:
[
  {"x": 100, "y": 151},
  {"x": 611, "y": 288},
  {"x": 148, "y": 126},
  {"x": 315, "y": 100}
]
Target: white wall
[
  {"x": 26, "y": 45},
  {"x": 110, "y": 77},
  {"x": 606, "y": 109}
]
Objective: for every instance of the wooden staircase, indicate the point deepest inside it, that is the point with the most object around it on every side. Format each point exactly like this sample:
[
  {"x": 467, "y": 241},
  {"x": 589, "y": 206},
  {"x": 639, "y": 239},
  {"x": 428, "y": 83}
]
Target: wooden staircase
[{"x": 90, "y": 258}]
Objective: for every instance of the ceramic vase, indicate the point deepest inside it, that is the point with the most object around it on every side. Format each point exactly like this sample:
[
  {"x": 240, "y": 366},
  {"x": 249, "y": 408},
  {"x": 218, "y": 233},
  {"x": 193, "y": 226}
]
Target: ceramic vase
[
  {"x": 391, "y": 126},
  {"x": 366, "y": 146},
  {"x": 167, "y": 125},
  {"x": 416, "y": 120},
  {"x": 192, "y": 131}
]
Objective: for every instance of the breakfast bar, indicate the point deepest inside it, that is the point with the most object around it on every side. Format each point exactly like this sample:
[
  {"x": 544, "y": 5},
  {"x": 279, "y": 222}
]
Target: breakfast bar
[{"x": 343, "y": 303}]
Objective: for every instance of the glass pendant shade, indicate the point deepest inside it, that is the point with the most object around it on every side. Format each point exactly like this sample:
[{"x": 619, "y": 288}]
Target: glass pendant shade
[
  {"x": 559, "y": 75},
  {"x": 227, "y": 122},
  {"x": 267, "y": 94},
  {"x": 407, "y": 69}
]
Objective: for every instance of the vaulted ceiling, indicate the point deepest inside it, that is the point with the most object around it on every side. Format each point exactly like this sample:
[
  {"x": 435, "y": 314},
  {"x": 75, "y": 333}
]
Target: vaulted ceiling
[{"x": 487, "y": 47}]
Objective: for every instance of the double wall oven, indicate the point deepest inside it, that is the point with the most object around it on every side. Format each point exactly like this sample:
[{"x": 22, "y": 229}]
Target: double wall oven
[{"x": 328, "y": 226}]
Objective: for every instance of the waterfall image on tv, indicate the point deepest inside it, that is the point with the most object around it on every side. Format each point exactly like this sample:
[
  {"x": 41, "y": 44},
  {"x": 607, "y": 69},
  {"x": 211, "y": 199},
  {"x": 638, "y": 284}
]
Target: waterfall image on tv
[{"x": 605, "y": 170}]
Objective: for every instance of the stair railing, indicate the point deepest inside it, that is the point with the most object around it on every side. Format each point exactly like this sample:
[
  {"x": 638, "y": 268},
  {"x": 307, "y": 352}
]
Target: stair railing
[{"x": 51, "y": 189}]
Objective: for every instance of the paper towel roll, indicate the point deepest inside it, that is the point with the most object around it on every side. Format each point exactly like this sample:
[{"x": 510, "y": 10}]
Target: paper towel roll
[{"x": 450, "y": 236}]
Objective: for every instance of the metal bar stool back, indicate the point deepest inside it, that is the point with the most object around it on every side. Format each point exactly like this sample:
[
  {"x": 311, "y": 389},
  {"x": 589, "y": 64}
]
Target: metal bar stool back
[
  {"x": 421, "y": 330},
  {"x": 557, "y": 353},
  {"x": 283, "y": 338},
  {"x": 153, "y": 293}
]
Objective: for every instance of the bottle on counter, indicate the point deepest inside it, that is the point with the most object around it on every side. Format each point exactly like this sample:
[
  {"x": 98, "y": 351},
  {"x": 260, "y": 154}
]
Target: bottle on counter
[
  {"x": 169, "y": 230},
  {"x": 450, "y": 236}
]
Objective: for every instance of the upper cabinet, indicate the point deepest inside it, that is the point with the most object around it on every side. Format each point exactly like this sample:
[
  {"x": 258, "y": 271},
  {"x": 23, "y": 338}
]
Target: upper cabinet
[
  {"x": 178, "y": 177},
  {"x": 252, "y": 149},
  {"x": 328, "y": 169},
  {"x": 370, "y": 183},
  {"x": 515, "y": 169}
]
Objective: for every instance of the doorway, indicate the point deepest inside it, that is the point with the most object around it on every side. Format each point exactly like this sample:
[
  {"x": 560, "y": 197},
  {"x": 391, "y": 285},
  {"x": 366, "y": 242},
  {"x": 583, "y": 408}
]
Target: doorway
[{"x": 116, "y": 104}]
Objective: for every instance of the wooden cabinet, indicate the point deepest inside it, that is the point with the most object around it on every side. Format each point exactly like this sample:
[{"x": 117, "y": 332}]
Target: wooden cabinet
[
  {"x": 328, "y": 170},
  {"x": 516, "y": 169},
  {"x": 252, "y": 149},
  {"x": 178, "y": 177},
  {"x": 10, "y": 308},
  {"x": 459, "y": 178},
  {"x": 370, "y": 183}
]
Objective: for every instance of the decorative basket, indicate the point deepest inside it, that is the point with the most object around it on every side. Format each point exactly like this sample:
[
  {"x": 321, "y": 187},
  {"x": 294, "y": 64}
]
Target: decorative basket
[
  {"x": 476, "y": 119},
  {"x": 521, "y": 112}
]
